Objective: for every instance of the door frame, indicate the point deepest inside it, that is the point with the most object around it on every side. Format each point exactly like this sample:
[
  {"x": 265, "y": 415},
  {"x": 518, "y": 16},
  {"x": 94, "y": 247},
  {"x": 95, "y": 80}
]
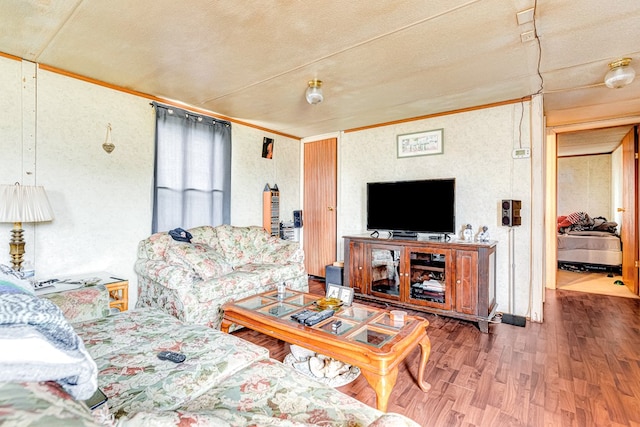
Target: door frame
[{"x": 551, "y": 257}]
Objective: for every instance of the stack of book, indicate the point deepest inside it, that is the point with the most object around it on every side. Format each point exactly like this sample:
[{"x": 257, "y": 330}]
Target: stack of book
[{"x": 430, "y": 290}]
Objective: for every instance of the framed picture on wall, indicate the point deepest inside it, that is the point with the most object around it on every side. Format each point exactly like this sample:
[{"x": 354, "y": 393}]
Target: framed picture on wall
[
  {"x": 267, "y": 148},
  {"x": 421, "y": 143}
]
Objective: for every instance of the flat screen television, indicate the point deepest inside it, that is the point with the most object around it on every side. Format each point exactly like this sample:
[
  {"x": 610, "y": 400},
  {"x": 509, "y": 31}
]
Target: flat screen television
[{"x": 411, "y": 207}]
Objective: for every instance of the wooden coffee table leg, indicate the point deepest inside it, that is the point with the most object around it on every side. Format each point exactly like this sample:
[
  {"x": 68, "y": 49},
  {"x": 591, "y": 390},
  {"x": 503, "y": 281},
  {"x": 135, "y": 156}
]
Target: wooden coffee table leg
[
  {"x": 425, "y": 347},
  {"x": 224, "y": 326},
  {"x": 382, "y": 384}
]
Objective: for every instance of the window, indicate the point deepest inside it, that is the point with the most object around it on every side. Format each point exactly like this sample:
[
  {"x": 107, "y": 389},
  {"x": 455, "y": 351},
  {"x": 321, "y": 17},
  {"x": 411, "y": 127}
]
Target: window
[{"x": 192, "y": 182}]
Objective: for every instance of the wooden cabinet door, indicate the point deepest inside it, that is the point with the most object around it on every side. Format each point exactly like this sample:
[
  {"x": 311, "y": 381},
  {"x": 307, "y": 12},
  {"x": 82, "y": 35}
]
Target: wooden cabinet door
[
  {"x": 427, "y": 277},
  {"x": 466, "y": 282},
  {"x": 356, "y": 267},
  {"x": 319, "y": 209},
  {"x": 383, "y": 276}
]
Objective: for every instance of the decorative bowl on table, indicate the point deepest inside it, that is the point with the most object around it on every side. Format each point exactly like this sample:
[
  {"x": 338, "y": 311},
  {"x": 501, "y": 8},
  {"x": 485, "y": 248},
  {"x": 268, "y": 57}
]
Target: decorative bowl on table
[{"x": 332, "y": 303}]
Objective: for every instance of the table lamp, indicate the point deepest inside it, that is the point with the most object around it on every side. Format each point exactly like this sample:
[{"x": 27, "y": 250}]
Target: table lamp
[{"x": 18, "y": 204}]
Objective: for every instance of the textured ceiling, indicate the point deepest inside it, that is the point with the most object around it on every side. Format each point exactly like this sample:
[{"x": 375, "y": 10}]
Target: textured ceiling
[{"x": 380, "y": 61}]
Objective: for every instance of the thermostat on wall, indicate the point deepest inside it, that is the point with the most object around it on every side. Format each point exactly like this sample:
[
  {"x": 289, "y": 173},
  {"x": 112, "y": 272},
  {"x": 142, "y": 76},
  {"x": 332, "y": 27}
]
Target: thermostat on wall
[{"x": 521, "y": 153}]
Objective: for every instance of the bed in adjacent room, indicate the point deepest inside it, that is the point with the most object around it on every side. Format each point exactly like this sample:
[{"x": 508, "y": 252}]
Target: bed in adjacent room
[{"x": 588, "y": 244}]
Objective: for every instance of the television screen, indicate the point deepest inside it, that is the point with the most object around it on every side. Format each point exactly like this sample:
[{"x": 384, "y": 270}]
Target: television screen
[{"x": 426, "y": 206}]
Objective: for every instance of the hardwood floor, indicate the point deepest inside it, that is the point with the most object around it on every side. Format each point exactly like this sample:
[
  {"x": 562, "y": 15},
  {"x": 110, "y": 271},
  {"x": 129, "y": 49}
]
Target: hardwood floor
[{"x": 581, "y": 367}]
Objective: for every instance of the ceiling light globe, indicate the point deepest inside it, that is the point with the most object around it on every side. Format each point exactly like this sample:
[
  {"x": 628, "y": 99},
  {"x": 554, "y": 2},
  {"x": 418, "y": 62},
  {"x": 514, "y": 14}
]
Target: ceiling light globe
[
  {"x": 620, "y": 74},
  {"x": 314, "y": 92}
]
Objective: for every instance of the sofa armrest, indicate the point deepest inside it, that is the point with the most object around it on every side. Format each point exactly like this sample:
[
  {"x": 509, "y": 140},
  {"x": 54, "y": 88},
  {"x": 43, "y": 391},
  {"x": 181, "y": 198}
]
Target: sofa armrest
[
  {"x": 83, "y": 304},
  {"x": 283, "y": 252},
  {"x": 168, "y": 275}
]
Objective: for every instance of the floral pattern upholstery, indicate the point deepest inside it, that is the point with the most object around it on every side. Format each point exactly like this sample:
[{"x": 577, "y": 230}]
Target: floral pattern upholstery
[
  {"x": 41, "y": 404},
  {"x": 191, "y": 281},
  {"x": 79, "y": 305},
  {"x": 224, "y": 381}
]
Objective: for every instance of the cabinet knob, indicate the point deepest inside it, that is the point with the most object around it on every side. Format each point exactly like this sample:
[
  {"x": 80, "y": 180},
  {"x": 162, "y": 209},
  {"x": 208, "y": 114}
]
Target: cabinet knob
[
  {"x": 330, "y": 208},
  {"x": 458, "y": 281}
]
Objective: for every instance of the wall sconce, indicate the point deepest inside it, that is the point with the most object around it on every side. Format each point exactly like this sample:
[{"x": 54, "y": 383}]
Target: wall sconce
[
  {"x": 108, "y": 145},
  {"x": 18, "y": 204},
  {"x": 620, "y": 74},
  {"x": 314, "y": 92}
]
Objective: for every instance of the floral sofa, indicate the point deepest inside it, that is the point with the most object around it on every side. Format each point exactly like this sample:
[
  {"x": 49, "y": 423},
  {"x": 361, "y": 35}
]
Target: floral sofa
[
  {"x": 224, "y": 381},
  {"x": 192, "y": 280}
]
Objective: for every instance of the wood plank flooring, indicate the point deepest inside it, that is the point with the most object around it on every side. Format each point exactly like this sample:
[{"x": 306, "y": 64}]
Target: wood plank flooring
[{"x": 581, "y": 367}]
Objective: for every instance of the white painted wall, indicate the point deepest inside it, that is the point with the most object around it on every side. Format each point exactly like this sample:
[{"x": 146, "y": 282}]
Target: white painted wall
[
  {"x": 477, "y": 153},
  {"x": 250, "y": 173},
  {"x": 51, "y": 134},
  {"x": 616, "y": 186},
  {"x": 584, "y": 185}
]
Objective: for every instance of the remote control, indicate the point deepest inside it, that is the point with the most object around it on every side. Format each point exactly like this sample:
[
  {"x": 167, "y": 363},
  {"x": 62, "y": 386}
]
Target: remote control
[
  {"x": 172, "y": 356},
  {"x": 44, "y": 284},
  {"x": 303, "y": 315},
  {"x": 319, "y": 317}
]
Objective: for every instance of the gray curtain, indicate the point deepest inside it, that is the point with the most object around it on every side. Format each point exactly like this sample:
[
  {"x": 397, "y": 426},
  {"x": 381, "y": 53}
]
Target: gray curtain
[{"x": 192, "y": 182}]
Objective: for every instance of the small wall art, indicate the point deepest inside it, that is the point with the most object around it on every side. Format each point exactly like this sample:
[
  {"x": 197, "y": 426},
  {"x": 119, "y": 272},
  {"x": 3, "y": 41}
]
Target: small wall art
[
  {"x": 421, "y": 143},
  {"x": 267, "y": 148}
]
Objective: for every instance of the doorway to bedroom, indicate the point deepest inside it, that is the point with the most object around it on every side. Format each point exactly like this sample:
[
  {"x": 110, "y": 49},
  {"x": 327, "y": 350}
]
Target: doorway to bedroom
[{"x": 590, "y": 183}]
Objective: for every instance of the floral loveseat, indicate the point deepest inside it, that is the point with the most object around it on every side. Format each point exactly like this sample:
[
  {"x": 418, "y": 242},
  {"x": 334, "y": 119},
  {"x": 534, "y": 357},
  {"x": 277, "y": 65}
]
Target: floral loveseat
[
  {"x": 224, "y": 381},
  {"x": 191, "y": 281}
]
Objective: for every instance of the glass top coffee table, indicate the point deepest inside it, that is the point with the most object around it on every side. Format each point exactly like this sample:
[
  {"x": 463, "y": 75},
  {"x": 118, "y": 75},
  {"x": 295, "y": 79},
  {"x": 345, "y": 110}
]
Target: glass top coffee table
[{"x": 359, "y": 335}]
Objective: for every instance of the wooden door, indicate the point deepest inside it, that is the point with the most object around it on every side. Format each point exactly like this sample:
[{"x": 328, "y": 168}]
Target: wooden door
[
  {"x": 629, "y": 226},
  {"x": 319, "y": 207}
]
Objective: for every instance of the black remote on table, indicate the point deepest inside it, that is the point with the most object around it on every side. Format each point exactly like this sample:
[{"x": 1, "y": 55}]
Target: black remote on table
[
  {"x": 172, "y": 356},
  {"x": 303, "y": 315},
  {"x": 319, "y": 317}
]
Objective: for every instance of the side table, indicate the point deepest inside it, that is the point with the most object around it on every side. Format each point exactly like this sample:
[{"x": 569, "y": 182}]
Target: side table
[
  {"x": 119, "y": 294},
  {"x": 118, "y": 288}
]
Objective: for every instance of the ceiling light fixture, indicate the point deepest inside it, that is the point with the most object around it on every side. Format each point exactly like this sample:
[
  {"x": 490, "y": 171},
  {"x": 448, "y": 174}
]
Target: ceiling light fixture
[
  {"x": 314, "y": 92},
  {"x": 620, "y": 74}
]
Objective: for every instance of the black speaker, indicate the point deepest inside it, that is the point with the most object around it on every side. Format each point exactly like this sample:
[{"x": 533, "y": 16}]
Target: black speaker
[
  {"x": 297, "y": 219},
  {"x": 511, "y": 212}
]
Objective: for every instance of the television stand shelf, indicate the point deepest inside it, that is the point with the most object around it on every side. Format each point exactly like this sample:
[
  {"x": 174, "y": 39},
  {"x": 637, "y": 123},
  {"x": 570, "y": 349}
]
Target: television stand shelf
[{"x": 455, "y": 278}]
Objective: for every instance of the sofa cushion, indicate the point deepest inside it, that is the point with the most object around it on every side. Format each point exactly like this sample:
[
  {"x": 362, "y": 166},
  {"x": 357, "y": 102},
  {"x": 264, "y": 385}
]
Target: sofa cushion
[
  {"x": 125, "y": 346},
  {"x": 202, "y": 259},
  {"x": 154, "y": 246},
  {"x": 80, "y": 305},
  {"x": 241, "y": 245},
  {"x": 270, "y": 393},
  {"x": 205, "y": 234},
  {"x": 42, "y": 404}
]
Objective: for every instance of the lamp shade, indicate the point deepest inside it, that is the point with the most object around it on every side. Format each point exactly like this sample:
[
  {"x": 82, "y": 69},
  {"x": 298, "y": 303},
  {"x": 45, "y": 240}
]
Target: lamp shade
[
  {"x": 620, "y": 74},
  {"x": 24, "y": 203},
  {"x": 314, "y": 92}
]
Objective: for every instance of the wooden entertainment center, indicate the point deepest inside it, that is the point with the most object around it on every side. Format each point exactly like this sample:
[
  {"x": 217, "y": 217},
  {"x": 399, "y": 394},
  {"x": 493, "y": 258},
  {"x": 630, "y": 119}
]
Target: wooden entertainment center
[{"x": 454, "y": 278}]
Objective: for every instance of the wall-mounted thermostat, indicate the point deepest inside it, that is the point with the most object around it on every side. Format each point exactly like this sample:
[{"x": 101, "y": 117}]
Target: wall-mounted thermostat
[{"x": 521, "y": 153}]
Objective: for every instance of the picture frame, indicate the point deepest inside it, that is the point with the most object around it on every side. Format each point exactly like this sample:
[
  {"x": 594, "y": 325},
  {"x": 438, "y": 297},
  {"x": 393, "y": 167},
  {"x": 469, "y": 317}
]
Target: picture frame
[
  {"x": 425, "y": 143},
  {"x": 267, "y": 148},
  {"x": 344, "y": 293}
]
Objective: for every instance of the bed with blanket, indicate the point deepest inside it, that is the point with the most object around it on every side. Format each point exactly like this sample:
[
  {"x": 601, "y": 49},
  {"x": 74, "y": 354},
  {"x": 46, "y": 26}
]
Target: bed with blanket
[{"x": 588, "y": 244}]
